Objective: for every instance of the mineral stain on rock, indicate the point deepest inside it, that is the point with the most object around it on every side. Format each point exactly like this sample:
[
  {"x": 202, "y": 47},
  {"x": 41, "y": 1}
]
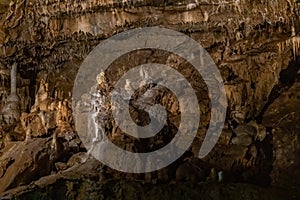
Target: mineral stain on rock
[{"x": 255, "y": 45}]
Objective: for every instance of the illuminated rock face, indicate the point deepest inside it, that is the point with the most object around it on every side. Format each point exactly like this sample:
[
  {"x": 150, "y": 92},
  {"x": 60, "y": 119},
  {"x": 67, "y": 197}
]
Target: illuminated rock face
[{"x": 254, "y": 44}]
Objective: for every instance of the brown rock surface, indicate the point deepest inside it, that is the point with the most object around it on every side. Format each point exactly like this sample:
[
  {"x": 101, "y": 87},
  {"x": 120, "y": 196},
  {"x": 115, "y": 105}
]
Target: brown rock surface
[
  {"x": 25, "y": 162},
  {"x": 283, "y": 116},
  {"x": 254, "y": 43}
]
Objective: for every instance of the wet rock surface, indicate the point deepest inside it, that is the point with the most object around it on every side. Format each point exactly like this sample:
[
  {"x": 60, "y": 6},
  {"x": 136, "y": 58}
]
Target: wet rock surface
[{"x": 255, "y": 46}]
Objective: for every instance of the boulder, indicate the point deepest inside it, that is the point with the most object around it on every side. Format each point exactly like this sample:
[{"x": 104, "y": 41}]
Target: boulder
[{"x": 25, "y": 162}]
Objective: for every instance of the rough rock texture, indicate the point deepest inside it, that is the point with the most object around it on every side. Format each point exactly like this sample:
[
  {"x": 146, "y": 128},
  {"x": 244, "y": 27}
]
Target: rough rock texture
[
  {"x": 283, "y": 115},
  {"x": 25, "y": 162},
  {"x": 82, "y": 182},
  {"x": 255, "y": 45}
]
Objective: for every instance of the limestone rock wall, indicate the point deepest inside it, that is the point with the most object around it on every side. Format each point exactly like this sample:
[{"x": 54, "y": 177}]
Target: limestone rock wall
[{"x": 254, "y": 43}]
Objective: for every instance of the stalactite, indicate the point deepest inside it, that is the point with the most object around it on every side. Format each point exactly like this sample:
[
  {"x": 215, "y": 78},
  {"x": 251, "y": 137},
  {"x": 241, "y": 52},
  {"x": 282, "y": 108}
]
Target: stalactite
[
  {"x": 293, "y": 42},
  {"x": 3, "y": 77}
]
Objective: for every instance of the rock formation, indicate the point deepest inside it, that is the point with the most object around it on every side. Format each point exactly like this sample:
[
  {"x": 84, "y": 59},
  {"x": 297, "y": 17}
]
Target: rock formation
[
  {"x": 11, "y": 110},
  {"x": 255, "y": 45}
]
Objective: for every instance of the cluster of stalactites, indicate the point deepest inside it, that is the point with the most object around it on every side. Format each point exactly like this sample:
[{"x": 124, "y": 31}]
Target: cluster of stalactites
[{"x": 293, "y": 42}]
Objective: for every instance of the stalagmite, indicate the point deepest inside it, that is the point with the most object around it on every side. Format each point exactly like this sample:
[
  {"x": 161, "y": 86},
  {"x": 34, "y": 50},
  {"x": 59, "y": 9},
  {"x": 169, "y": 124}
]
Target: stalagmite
[
  {"x": 41, "y": 95},
  {"x": 146, "y": 77},
  {"x": 54, "y": 142},
  {"x": 44, "y": 121},
  {"x": 128, "y": 89},
  {"x": 11, "y": 111},
  {"x": 99, "y": 105},
  {"x": 28, "y": 133},
  {"x": 206, "y": 16},
  {"x": 13, "y": 93},
  {"x": 220, "y": 176}
]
